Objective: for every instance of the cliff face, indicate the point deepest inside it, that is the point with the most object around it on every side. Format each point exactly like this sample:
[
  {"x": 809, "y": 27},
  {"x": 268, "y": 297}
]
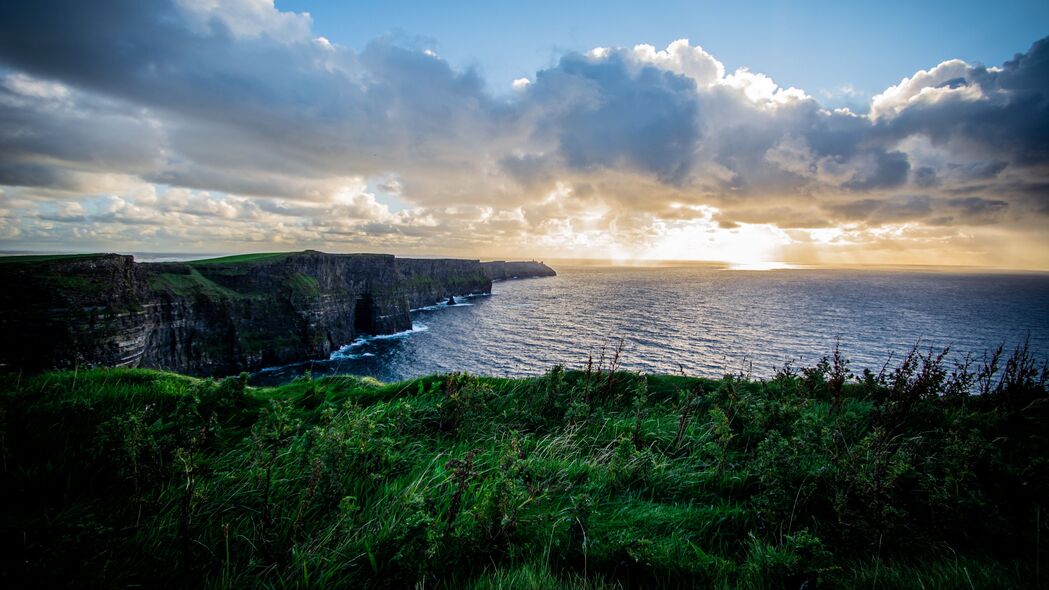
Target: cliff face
[
  {"x": 219, "y": 316},
  {"x": 501, "y": 270}
]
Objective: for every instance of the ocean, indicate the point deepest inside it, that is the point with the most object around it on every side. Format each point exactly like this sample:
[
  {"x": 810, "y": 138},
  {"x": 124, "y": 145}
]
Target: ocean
[{"x": 705, "y": 320}]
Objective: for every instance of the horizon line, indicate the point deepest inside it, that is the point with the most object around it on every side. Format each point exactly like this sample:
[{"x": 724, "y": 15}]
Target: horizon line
[{"x": 757, "y": 265}]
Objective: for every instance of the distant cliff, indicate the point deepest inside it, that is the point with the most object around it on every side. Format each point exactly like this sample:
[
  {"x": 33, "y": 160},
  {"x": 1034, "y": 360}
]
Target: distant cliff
[
  {"x": 501, "y": 270},
  {"x": 218, "y": 316}
]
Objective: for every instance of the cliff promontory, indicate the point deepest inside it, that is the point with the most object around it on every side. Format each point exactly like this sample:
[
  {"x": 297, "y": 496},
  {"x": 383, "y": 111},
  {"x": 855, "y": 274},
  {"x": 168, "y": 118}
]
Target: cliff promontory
[
  {"x": 218, "y": 316},
  {"x": 501, "y": 270}
]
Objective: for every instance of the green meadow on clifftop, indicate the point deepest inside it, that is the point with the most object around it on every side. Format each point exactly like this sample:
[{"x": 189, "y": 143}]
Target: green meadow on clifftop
[{"x": 926, "y": 476}]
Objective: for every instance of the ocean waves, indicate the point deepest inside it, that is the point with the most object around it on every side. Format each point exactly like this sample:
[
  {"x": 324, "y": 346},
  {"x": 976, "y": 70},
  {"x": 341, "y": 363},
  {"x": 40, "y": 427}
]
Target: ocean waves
[
  {"x": 706, "y": 321},
  {"x": 345, "y": 352}
]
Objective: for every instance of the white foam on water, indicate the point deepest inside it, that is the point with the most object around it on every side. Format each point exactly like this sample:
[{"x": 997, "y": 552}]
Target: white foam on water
[
  {"x": 460, "y": 301},
  {"x": 344, "y": 351},
  {"x": 429, "y": 307}
]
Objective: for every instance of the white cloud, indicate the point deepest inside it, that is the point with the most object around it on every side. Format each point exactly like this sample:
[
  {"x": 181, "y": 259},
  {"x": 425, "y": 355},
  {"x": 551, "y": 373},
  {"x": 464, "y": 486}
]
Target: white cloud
[
  {"x": 762, "y": 90},
  {"x": 250, "y": 18},
  {"x": 925, "y": 86},
  {"x": 34, "y": 87},
  {"x": 354, "y": 202},
  {"x": 682, "y": 58}
]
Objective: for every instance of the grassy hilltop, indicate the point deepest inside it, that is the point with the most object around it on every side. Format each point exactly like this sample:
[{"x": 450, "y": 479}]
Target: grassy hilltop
[{"x": 927, "y": 476}]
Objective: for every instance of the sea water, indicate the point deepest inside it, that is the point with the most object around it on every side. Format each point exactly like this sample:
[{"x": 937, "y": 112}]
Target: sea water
[{"x": 705, "y": 320}]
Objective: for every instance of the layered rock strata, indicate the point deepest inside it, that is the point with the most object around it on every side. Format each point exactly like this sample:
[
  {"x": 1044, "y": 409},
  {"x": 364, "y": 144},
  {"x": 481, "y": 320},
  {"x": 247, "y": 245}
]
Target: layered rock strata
[{"x": 220, "y": 316}]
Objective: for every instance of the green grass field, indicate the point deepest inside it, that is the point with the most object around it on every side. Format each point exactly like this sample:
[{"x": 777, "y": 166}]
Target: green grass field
[
  {"x": 187, "y": 284},
  {"x": 234, "y": 259},
  {"x": 35, "y": 258},
  {"x": 243, "y": 258},
  {"x": 928, "y": 476}
]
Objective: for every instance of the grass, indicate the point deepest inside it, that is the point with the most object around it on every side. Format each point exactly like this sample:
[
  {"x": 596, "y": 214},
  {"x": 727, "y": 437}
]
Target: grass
[
  {"x": 35, "y": 258},
  {"x": 191, "y": 283},
  {"x": 303, "y": 285},
  {"x": 927, "y": 476},
  {"x": 243, "y": 258}
]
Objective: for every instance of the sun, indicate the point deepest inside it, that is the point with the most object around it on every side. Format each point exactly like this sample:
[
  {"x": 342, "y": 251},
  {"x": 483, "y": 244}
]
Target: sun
[{"x": 750, "y": 247}]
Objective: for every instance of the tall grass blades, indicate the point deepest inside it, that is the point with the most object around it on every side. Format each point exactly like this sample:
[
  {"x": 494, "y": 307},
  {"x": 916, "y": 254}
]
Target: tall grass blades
[{"x": 930, "y": 473}]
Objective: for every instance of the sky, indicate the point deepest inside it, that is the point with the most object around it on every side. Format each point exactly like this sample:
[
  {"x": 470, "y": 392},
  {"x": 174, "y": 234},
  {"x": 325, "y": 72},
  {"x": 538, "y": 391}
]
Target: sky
[
  {"x": 841, "y": 52},
  {"x": 801, "y": 132}
]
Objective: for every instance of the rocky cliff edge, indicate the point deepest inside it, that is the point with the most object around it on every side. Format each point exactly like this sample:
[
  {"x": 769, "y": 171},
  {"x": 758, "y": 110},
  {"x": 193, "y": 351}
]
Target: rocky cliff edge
[{"x": 218, "y": 316}]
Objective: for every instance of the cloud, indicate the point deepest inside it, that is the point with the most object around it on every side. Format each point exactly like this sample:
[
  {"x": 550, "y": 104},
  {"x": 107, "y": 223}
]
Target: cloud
[
  {"x": 974, "y": 111},
  {"x": 681, "y": 58},
  {"x": 946, "y": 81},
  {"x": 609, "y": 113},
  {"x": 247, "y": 19},
  {"x": 226, "y": 124}
]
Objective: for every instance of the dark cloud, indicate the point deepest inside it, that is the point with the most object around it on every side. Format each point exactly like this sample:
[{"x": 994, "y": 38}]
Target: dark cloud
[
  {"x": 925, "y": 177},
  {"x": 919, "y": 208},
  {"x": 15, "y": 173},
  {"x": 890, "y": 170},
  {"x": 49, "y": 133},
  {"x": 978, "y": 170},
  {"x": 246, "y": 105},
  {"x": 998, "y": 111},
  {"x": 979, "y": 209},
  {"x": 607, "y": 113}
]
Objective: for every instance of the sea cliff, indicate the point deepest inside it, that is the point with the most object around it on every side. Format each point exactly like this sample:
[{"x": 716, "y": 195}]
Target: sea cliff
[{"x": 218, "y": 316}]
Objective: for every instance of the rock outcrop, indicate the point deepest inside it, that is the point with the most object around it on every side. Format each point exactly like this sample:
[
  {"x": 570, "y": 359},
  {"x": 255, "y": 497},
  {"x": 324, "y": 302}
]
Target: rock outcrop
[
  {"x": 219, "y": 316},
  {"x": 501, "y": 270}
]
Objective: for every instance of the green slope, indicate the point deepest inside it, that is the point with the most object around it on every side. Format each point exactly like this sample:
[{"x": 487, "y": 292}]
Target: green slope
[
  {"x": 243, "y": 258},
  {"x": 570, "y": 480}
]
